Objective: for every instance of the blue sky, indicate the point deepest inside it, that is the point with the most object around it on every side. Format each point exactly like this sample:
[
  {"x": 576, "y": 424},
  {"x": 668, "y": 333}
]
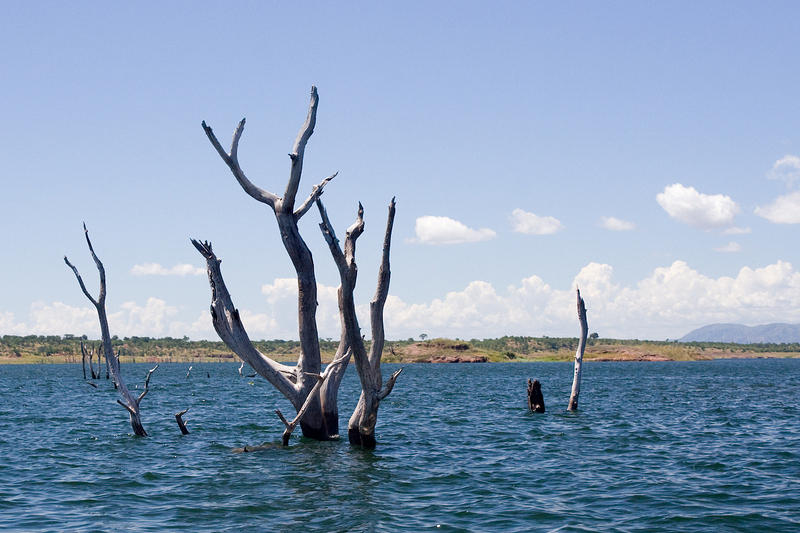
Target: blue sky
[{"x": 507, "y": 131}]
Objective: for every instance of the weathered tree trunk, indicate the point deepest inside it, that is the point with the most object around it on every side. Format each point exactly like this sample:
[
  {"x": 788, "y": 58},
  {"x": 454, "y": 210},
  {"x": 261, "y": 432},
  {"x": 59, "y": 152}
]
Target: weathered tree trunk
[
  {"x": 129, "y": 401},
  {"x": 535, "y": 397},
  {"x": 576, "y": 379},
  {"x": 321, "y": 419},
  {"x": 361, "y": 427},
  {"x": 83, "y": 360}
]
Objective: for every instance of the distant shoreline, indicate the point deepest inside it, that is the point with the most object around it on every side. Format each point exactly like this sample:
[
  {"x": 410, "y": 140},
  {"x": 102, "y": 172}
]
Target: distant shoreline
[{"x": 59, "y": 350}]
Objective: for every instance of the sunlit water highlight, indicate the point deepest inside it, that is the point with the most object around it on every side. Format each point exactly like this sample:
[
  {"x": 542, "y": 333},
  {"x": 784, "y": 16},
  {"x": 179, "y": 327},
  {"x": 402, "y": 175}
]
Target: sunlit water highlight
[{"x": 656, "y": 446}]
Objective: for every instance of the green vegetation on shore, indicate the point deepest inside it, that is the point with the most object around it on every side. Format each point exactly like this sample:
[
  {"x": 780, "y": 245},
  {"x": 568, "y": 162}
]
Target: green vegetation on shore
[{"x": 66, "y": 349}]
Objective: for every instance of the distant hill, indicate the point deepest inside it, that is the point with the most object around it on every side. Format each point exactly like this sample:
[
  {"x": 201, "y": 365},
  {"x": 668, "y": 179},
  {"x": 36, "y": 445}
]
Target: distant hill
[{"x": 740, "y": 334}]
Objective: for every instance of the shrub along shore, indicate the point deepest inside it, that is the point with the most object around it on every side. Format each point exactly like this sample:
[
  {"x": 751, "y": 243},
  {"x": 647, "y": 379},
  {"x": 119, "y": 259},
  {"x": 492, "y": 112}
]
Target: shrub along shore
[{"x": 66, "y": 349}]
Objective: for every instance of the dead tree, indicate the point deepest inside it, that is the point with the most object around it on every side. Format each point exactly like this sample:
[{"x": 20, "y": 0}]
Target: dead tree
[
  {"x": 321, "y": 420},
  {"x": 129, "y": 401},
  {"x": 535, "y": 397},
  {"x": 361, "y": 428},
  {"x": 576, "y": 380},
  {"x": 83, "y": 361}
]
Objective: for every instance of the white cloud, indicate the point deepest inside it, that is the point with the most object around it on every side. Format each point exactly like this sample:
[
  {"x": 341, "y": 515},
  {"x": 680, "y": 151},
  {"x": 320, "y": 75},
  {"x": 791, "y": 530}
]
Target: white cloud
[
  {"x": 786, "y": 169},
  {"x": 445, "y": 230},
  {"x": 616, "y": 224},
  {"x": 703, "y": 211},
  {"x": 150, "y": 320},
  {"x": 783, "y": 210},
  {"x": 531, "y": 224},
  {"x": 730, "y": 247},
  {"x": 282, "y": 307},
  {"x": 154, "y": 269},
  {"x": 667, "y": 304},
  {"x": 58, "y": 318}
]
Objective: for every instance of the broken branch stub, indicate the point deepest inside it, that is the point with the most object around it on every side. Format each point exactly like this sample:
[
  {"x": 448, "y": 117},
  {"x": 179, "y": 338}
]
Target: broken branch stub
[
  {"x": 535, "y": 397},
  {"x": 181, "y": 422}
]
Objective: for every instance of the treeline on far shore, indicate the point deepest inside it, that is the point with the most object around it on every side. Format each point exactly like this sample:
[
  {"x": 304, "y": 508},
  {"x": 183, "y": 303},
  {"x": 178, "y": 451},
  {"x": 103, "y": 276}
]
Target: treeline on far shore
[{"x": 66, "y": 348}]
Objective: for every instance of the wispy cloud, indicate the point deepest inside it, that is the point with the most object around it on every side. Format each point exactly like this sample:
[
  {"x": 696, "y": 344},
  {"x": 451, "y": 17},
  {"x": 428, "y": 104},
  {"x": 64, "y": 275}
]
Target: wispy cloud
[
  {"x": 737, "y": 231},
  {"x": 786, "y": 169},
  {"x": 616, "y": 224},
  {"x": 444, "y": 230},
  {"x": 532, "y": 224},
  {"x": 703, "y": 211},
  {"x": 729, "y": 248},
  {"x": 668, "y": 302},
  {"x": 154, "y": 269}
]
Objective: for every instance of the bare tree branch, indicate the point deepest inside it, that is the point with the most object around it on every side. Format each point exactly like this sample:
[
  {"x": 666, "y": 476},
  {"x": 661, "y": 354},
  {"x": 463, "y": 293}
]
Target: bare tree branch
[
  {"x": 387, "y": 389},
  {"x": 316, "y": 192},
  {"x": 127, "y": 407},
  {"x": 330, "y": 237},
  {"x": 101, "y": 297},
  {"x": 307, "y": 403},
  {"x": 351, "y": 236},
  {"x": 298, "y": 151},
  {"x": 80, "y": 282},
  {"x": 232, "y": 160},
  {"x": 381, "y": 293},
  {"x": 146, "y": 385},
  {"x": 228, "y": 325}
]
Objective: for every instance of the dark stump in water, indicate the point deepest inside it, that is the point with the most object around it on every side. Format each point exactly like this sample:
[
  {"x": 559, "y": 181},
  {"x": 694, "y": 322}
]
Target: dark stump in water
[{"x": 535, "y": 398}]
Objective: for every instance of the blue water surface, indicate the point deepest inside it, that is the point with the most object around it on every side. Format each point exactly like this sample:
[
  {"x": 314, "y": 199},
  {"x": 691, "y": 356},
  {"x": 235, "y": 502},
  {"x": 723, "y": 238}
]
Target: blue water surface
[{"x": 677, "y": 446}]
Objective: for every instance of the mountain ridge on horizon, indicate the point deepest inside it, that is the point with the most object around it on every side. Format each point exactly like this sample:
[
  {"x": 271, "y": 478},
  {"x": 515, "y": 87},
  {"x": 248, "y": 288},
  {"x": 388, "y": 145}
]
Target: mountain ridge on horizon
[{"x": 775, "y": 333}]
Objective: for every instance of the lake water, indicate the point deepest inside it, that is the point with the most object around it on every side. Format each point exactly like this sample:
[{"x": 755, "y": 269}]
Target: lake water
[{"x": 711, "y": 446}]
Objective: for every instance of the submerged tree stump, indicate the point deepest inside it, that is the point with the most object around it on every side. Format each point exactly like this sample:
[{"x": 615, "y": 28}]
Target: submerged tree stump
[
  {"x": 576, "y": 379},
  {"x": 535, "y": 398}
]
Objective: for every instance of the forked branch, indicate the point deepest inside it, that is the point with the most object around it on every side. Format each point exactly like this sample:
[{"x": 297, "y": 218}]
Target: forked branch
[
  {"x": 146, "y": 385},
  {"x": 232, "y": 160},
  {"x": 316, "y": 192}
]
